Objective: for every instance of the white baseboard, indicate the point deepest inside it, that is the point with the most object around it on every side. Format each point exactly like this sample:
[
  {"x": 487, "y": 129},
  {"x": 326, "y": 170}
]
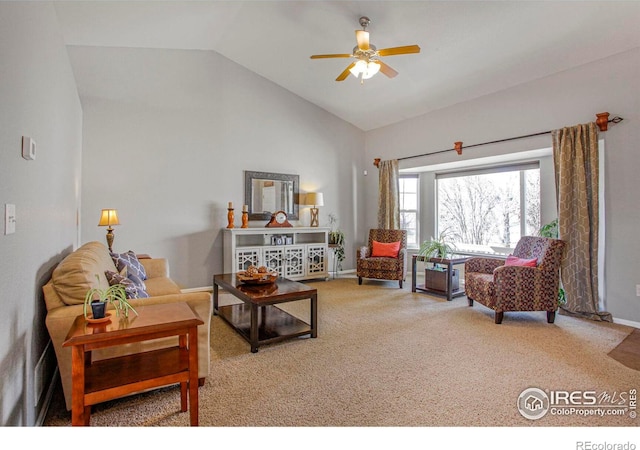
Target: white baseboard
[
  {"x": 629, "y": 323},
  {"x": 197, "y": 289}
]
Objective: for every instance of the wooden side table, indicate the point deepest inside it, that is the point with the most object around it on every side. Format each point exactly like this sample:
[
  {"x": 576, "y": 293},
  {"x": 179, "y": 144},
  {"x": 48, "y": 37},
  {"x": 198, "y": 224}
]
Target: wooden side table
[
  {"x": 449, "y": 293},
  {"x": 99, "y": 381}
]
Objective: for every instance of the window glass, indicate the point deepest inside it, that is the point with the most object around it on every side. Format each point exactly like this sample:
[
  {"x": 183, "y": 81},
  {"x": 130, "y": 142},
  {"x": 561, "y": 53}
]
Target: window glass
[
  {"x": 409, "y": 208},
  {"x": 488, "y": 210}
]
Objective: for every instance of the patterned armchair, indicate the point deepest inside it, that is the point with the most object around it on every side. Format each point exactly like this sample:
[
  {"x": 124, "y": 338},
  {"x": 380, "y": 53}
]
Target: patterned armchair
[
  {"x": 383, "y": 268},
  {"x": 518, "y": 288}
]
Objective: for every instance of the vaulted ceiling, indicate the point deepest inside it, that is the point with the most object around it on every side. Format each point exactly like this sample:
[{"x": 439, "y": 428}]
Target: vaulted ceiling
[{"x": 468, "y": 48}]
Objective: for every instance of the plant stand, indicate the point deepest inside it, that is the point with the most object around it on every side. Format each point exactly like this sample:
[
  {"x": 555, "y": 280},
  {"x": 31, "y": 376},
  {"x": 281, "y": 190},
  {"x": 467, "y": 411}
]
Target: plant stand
[{"x": 450, "y": 291}]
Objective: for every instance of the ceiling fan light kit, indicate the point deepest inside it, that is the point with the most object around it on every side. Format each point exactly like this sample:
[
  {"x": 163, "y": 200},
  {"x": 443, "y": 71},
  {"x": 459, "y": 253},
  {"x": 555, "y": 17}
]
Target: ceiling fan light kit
[{"x": 367, "y": 56}]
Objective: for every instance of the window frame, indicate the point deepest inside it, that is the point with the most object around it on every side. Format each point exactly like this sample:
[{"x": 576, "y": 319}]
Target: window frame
[{"x": 416, "y": 211}]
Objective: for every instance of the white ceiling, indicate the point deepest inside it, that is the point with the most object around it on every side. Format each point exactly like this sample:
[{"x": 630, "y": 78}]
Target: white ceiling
[{"x": 469, "y": 48}]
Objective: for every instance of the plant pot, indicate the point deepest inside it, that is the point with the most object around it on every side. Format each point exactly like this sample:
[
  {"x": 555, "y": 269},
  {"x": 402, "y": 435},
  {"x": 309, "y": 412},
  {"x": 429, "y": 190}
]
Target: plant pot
[
  {"x": 437, "y": 280},
  {"x": 98, "y": 309}
]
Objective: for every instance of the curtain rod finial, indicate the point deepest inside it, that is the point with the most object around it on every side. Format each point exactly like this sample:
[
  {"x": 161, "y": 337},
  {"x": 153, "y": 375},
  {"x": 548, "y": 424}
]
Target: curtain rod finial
[
  {"x": 376, "y": 162},
  {"x": 602, "y": 121},
  {"x": 458, "y": 147}
]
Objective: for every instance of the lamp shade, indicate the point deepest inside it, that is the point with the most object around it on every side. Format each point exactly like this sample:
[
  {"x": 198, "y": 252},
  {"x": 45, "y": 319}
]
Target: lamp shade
[
  {"x": 108, "y": 217},
  {"x": 367, "y": 69},
  {"x": 314, "y": 198}
]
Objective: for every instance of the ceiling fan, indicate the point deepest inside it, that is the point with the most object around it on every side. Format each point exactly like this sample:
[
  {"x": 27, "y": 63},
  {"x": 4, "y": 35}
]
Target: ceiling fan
[{"x": 367, "y": 56}]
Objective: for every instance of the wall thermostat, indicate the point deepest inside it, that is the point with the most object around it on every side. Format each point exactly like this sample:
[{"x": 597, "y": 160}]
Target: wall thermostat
[{"x": 28, "y": 148}]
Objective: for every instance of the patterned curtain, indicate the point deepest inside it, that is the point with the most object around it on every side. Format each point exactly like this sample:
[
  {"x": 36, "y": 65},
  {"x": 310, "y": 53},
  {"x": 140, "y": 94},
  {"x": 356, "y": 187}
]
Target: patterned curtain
[
  {"x": 575, "y": 158},
  {"x": 388, "y": 195}
]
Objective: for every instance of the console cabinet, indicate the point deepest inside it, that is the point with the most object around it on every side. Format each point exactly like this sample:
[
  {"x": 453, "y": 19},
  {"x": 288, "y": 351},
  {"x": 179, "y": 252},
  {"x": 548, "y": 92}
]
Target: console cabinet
[{"x": 296, "y": 253}]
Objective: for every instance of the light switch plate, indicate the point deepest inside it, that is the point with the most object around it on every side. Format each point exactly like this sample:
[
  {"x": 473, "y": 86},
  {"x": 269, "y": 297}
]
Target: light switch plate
[
  {"x": 9, "y": 218},
  {"x": 28, "y": 148}
]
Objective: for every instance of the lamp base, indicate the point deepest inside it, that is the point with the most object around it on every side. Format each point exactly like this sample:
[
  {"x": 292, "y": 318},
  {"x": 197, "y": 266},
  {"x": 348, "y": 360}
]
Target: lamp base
[
  {"x": 110, "y": 237},
  {"x": 314, "y": 217}
]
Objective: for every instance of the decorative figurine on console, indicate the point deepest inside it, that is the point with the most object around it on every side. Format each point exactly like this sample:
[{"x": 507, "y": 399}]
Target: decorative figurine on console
[
  {"x": 279, "y": 219},
  {"x": 245, "y": 216},
  {"x": 230, "y": 216}
]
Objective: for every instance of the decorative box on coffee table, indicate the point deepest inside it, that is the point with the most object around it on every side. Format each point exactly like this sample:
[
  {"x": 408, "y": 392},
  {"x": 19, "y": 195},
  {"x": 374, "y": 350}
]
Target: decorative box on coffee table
[{"x": 438, "y": 280}]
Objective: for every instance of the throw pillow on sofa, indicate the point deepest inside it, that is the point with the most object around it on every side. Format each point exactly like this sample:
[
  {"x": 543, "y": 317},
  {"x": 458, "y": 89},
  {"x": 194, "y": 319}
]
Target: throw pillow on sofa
[
  {"x": 131, "y": 262},
  {"x": 385, "y": 249},
  {"x": 515, "y": 261},
  {"x": 140, "y": 286},
  {"x": 131, "y": 288}
]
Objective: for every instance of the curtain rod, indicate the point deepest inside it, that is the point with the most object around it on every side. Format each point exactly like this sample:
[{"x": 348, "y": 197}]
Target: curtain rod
[{"x": 602, "y": 120}]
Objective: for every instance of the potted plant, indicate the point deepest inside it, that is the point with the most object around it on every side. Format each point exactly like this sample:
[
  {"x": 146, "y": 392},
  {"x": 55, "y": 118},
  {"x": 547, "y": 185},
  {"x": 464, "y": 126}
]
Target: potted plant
[
  {"x": 336, "y": 240},
  {"x": 98, "y": 299},
  {"x": 436, "y": 276},
  {"x": 437, "y": 248}
]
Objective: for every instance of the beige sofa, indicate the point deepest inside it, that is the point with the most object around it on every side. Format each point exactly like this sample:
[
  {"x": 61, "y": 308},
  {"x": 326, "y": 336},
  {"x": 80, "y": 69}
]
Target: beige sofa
[{"x": 75, "y": 275}]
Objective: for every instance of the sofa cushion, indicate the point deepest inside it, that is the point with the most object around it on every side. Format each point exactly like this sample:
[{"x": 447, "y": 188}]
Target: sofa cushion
[
  {"x": 161, "y": 286},
  {"x": 131, "y": 262},
  {"x": 77, "y": 272}
]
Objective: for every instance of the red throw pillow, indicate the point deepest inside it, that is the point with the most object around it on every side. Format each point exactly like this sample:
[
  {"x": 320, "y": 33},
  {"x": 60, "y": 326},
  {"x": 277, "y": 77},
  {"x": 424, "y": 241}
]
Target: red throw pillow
[
  {"x": 385, "y": 249},
  {"x": 515, "y": 261}
]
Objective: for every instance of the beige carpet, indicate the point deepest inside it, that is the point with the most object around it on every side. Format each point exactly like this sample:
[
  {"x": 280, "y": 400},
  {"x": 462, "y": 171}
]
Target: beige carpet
[{"x": 388, "y": 357}]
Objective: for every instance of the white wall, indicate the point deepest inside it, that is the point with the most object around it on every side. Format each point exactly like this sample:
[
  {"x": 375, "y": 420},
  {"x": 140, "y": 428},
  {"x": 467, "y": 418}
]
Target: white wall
[
  {"x": 564, "y": 99},
  {"x": 167, "y": 136},
  {"x": 38, "y": 98}
]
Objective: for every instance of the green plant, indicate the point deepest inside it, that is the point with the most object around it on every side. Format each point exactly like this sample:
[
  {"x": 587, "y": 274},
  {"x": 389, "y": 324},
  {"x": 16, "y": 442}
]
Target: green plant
[
  {"x": 336, "y": 237},
  {"x": 550, "y": 230},
  {"x": 115, "y": 295},
  {"x": 437, "y": 248}
]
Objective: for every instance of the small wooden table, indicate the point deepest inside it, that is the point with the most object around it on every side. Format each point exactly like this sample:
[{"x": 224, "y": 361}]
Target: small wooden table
[
  {"x": 449, "y": 293},
  {"x": 257, "y": 320},
  {"x": 107, "y": 379}
]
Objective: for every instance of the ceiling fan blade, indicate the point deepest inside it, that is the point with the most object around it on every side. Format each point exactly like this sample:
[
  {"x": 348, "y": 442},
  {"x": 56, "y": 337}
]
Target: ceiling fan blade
[
  {"x": 399, "y": 50},
  {"x": 336, "y": 55},
  {"x": 346, "y": 72},
  {"x": 362, "y": 37},
  {"x": 385, "y": 69}
]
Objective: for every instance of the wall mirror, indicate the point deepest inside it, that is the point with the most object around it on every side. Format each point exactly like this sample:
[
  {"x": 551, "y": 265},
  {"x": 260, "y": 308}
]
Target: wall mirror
[{"x": 266, "y": 193}]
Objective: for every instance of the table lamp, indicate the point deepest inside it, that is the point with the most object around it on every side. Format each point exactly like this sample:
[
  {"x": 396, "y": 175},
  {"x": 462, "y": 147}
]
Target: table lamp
[
  {"x": 315, "y": 199},
  {"x": 107, "y": 218}
]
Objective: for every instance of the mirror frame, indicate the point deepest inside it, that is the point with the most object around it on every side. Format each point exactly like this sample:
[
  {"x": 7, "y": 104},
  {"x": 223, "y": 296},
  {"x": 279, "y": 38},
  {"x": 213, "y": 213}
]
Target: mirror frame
[{"x": 249, "y": 176}]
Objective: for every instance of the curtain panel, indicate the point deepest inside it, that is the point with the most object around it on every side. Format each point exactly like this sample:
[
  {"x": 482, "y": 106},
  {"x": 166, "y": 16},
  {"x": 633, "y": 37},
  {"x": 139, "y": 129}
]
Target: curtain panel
[
  {"x": 575, "y": 158},
  {"x": 389, "y": 195}
]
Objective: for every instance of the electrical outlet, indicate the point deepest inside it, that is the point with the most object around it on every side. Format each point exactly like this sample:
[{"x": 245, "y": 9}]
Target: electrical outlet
[
  {"x": 9, "y": 218},
  {"x": 637, "y": 290}
]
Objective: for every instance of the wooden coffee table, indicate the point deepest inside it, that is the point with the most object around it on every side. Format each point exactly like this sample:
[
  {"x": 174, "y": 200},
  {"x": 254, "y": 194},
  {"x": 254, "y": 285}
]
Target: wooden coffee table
[
  {"x": 257, "y": 319},
  {"x": 99, "y": 381}
]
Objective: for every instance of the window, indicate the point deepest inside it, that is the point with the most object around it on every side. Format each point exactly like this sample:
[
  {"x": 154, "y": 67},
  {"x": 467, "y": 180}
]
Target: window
[
  {"x": 409, "y": 208},
  {"x": 488, "y": 210}
]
